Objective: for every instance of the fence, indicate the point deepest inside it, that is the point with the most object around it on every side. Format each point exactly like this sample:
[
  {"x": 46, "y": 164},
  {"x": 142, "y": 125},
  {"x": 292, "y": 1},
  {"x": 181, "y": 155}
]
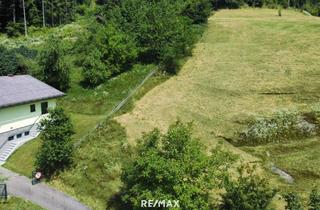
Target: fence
[{"x": 117, "y": 107}]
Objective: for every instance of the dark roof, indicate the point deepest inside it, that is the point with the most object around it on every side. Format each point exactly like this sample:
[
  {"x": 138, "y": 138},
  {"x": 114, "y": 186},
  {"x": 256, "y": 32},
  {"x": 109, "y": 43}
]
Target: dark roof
[{"x": 22, "y": 89}]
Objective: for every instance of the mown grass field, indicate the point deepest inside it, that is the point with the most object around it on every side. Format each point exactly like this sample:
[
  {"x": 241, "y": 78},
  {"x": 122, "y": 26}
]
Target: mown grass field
[{"x": 250, "y": 63}]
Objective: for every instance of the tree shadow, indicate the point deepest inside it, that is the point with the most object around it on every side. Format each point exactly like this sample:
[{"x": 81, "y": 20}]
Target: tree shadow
[{"x": 116, "y": 203}]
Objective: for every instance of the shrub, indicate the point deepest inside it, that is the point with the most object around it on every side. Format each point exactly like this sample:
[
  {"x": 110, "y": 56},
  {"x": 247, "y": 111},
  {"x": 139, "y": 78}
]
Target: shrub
[
  {"x": 10, "y": 63},
  {"x": 293, "y": 201},
  {"x": 14, "y": 29},
  {"x": 314, "y": 199},
  {"x": 56, "y": 150},
  {"x": 231, "y": 4},
  {"x": 54, "y": 69},
  {"x": 249, "y": 192},
  {"x": 284, "y": 126},
  {"x": 173, "y": 166},
  {"x": 157, "y": 26},
  {"x": 197, "y": 10},
  {"x": 105, "y": 52},
  {"x": 254, "y": 3}
]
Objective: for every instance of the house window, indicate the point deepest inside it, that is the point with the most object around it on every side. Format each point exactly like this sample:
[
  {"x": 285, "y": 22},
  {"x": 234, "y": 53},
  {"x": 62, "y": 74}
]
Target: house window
[
  {"x": 26, "y": 133},
  {"x": 10, "y": 138},
  {"x": 32, "y": 108},
  {"x": 19, "y": 135}
]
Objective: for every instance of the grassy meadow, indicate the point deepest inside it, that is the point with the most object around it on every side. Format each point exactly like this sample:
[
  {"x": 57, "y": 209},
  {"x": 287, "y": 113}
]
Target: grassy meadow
[
  {"x": 14, "y": 203},
  {"x": 249, "y": 64}
]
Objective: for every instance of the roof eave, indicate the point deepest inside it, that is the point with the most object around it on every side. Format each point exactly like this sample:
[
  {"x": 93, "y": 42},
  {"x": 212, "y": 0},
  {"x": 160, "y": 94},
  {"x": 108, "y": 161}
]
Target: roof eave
[{"x": 30, "y": 101}]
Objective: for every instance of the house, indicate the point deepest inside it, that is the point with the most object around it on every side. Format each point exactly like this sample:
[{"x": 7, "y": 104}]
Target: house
[{"x": 24, "y": 101}]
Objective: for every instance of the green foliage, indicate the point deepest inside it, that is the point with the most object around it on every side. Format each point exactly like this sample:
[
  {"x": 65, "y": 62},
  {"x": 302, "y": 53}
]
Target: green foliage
[
  {"x": 232, "y": 4},
  {"x": 249, "y": 192},
  {"x": 105, "y": 52},
  {"x": 56, "y": 151},
  {"x": 314, "y": 199},
  {"x": 54, "y": 70},
  {"x": 95, "y": 177},
  {"x": 312, "y": 6},
  {"x": 157, "y": 26},
  {"x": 254, "y": 3},
  {"x": 283, "y": 126},
  {"x": 293, "y": 201},
  {"x": 9, "y": 63},
  {"x": 173, "y": 166},
  {"x": 14, "y": 29},
  {"x": 198, "y": 10}
]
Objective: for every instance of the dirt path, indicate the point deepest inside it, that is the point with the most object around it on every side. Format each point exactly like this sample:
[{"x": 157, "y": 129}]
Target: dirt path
[{"x": 41, "y": 194}]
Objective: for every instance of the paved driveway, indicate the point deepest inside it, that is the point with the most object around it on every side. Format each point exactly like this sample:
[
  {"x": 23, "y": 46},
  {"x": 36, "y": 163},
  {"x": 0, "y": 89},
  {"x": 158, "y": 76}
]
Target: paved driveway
[{"x": 41, "y": 194}]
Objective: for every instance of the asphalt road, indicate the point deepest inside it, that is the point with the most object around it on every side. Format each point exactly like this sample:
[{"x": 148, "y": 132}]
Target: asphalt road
[{"x": 40, "y": 194}]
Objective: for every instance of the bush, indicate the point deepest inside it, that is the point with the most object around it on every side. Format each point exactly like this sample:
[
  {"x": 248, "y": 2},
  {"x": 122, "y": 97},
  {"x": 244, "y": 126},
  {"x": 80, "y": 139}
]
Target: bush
[
  {"x": 284, "y": 126},
  {"x": 173, "y": 166},
  {"x": 314, "y": 199},
  {"x": 231, "y": 4},
  {"x": 105, "y": 52},
  {"x": 313, "y": 7},
  {"x": 197, "y": 10},
  {"x": 157, "y": 26},
  {"x": 249, "y": 192},
  {"x": 293, "y": 201},
  {"x": 254, "y": 3},
  {"x": 14, "y": 29},
  {"x": 56, "y": 151},
  {"x": 54, "y": 69},
  {"x": 10, "y": 63}
]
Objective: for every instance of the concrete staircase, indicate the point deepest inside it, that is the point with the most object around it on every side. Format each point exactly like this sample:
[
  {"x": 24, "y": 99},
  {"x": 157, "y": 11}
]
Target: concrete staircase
[
  {"x": 10, "y": 146},
  {"x": 7, "y": 150}
]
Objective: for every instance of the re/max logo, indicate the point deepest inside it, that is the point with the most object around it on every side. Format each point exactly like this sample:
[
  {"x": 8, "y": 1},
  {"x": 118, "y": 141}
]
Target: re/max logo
[{"x": 160, "y": 203}]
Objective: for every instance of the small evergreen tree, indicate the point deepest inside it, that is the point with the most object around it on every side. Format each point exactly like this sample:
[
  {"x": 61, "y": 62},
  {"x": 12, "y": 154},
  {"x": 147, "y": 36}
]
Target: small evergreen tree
[
  {"x": 314, "y": 199},
  {"x": 56, "y": 151},
  {"x": 54, "y": 69},
  {"x": 249, "y": 192},
  {"x": 293, "y": 201}
]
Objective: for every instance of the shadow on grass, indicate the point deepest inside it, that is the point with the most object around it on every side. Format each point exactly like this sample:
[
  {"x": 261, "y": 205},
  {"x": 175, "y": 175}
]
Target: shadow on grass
[{"x": 115, "y": 202}]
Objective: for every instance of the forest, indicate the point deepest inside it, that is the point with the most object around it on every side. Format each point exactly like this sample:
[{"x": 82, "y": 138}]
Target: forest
[{"x": 41, "y": 13}]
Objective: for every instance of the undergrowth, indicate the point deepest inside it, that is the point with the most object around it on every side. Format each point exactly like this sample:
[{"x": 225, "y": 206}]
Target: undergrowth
[{"x": 283, "y": 126}]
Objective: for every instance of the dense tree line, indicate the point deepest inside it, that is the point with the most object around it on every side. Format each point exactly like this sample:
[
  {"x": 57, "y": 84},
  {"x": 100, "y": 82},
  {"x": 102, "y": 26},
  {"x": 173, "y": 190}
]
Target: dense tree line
[
  {"x": 15, "y": 14},
  {"x": 312, "y": 6},
  {"x": 133, "y": 31}
]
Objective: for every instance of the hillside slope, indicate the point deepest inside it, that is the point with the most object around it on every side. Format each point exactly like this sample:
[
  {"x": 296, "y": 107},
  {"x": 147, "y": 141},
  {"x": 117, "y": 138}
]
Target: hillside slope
[{"x": 250, "y": 62}]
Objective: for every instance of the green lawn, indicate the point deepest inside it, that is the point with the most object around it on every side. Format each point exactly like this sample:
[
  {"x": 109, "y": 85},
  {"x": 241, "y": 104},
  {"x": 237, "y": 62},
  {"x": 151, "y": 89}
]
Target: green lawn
[
  {"x": 22, "y": 161},
  {"x": 14, "y": 203},
  {"x": 298, "y": 158}
]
